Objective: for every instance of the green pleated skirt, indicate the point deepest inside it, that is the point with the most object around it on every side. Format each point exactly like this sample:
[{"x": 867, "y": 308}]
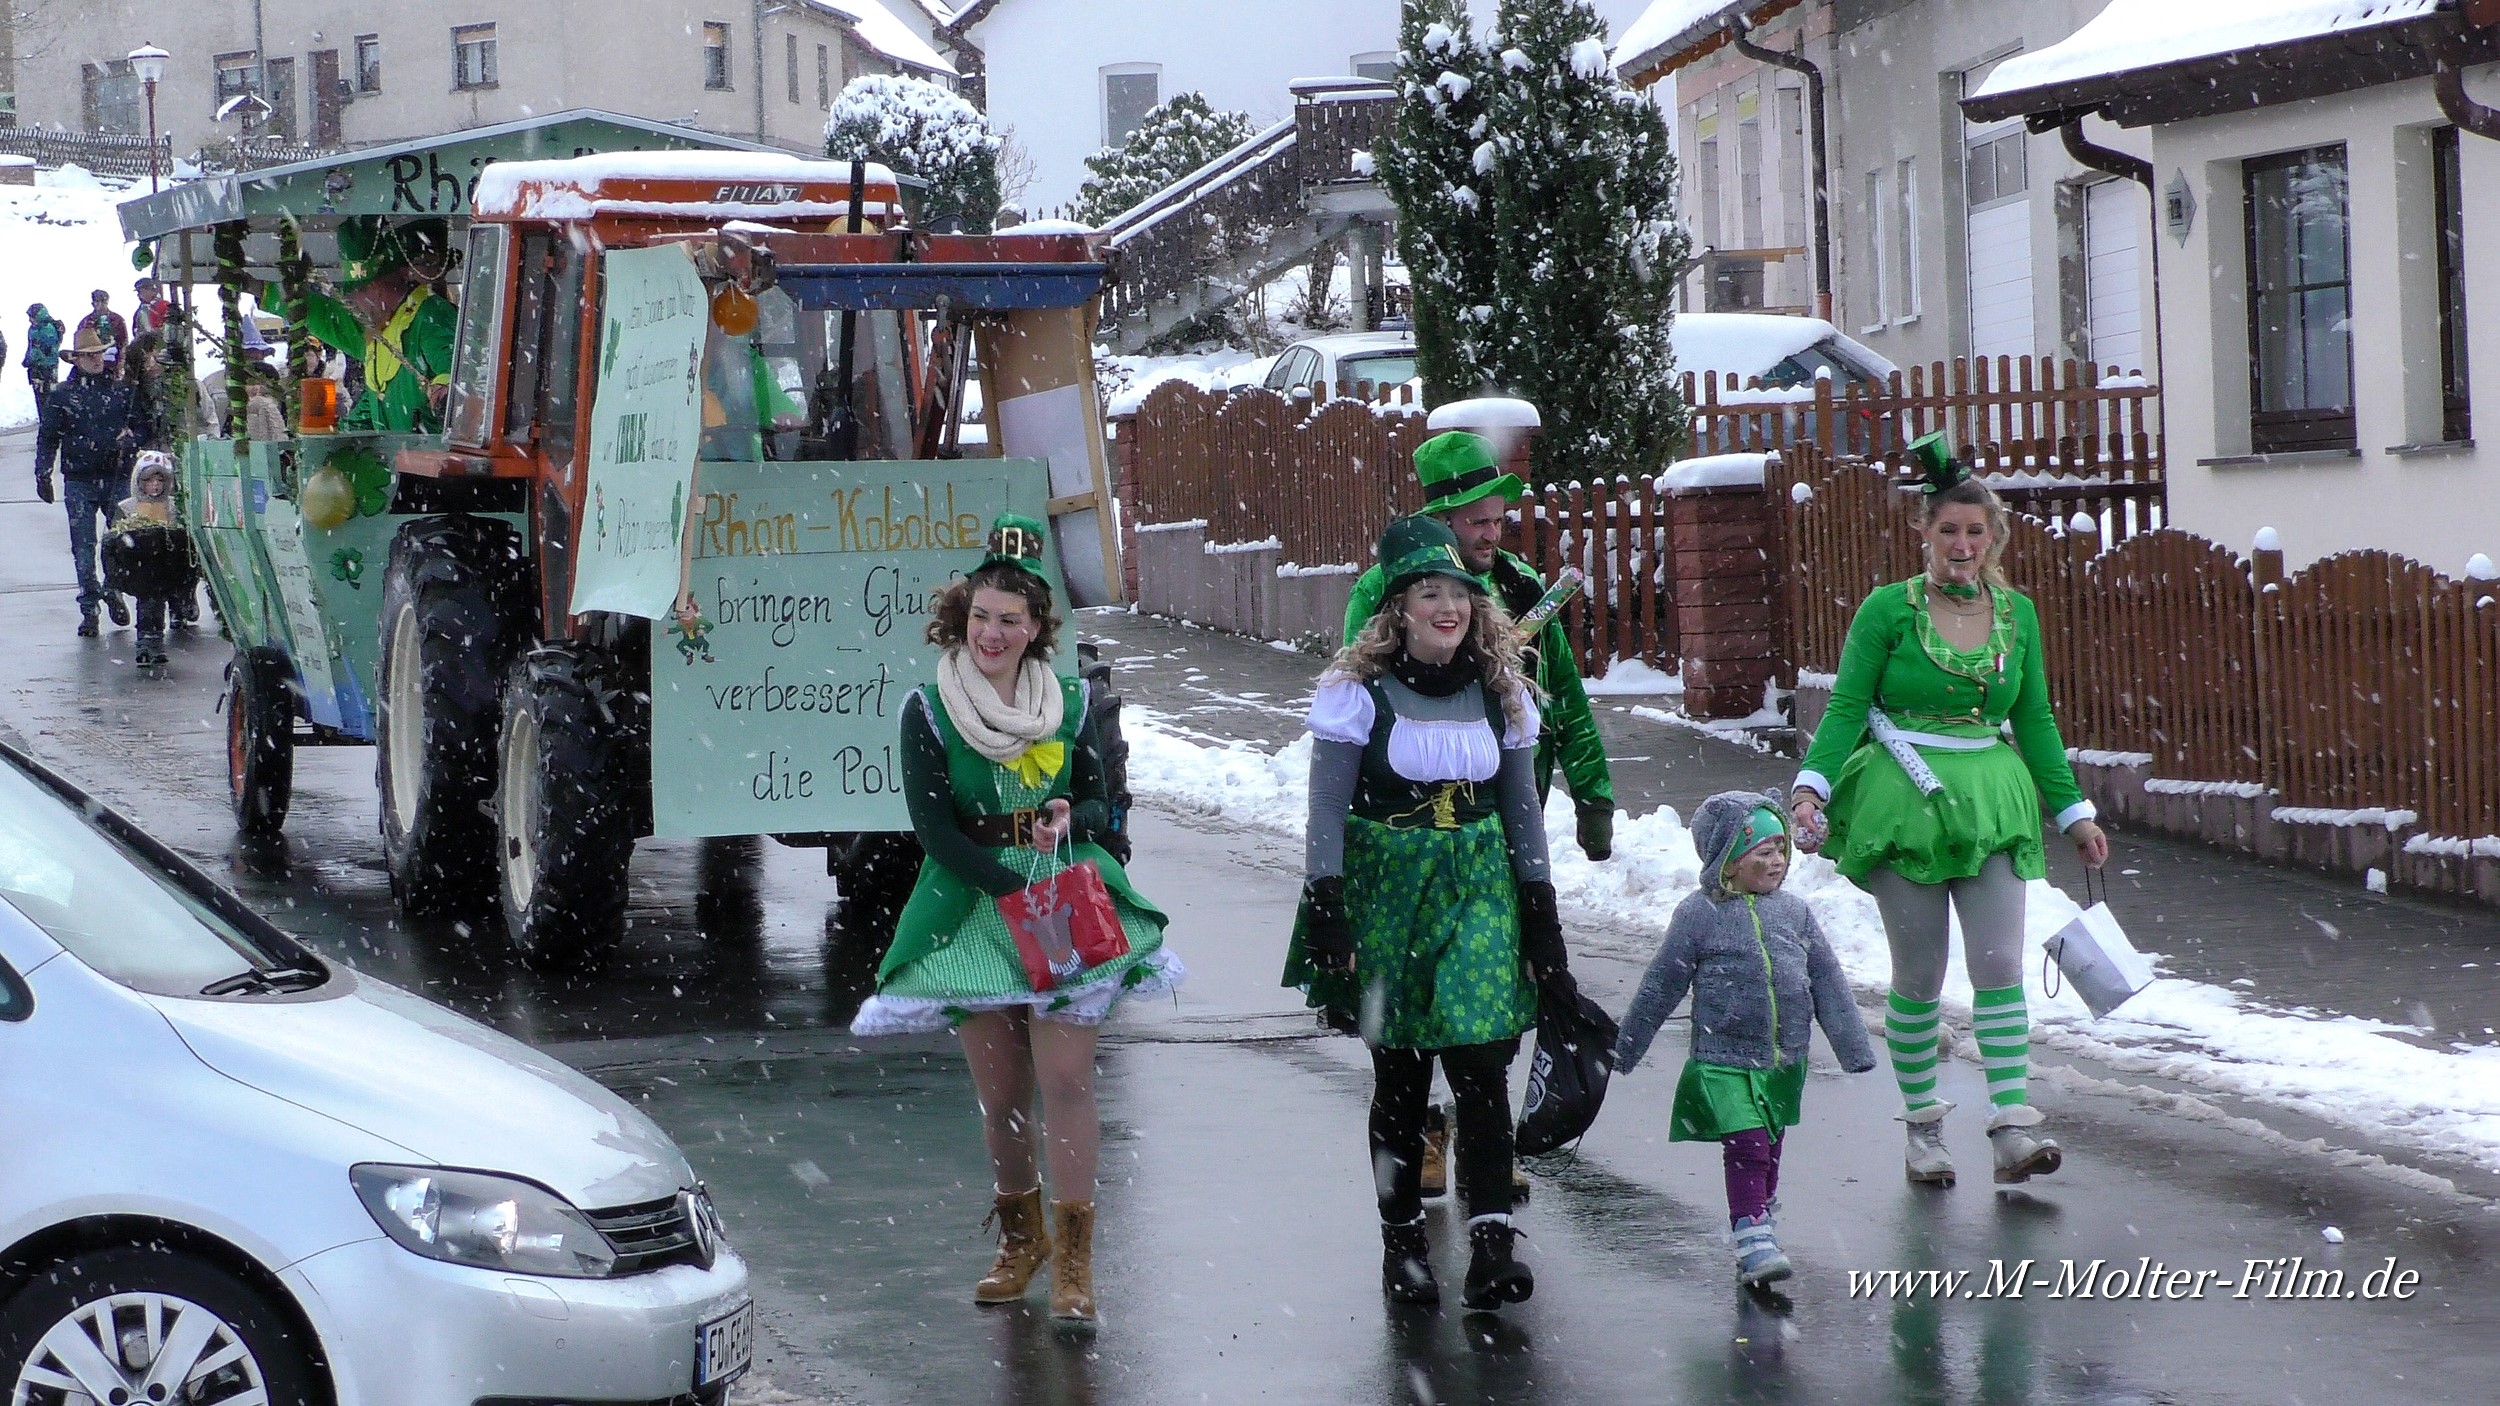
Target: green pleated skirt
[
  {"x": 1989, "y": 806},
  {"x": 1714, "y": 1100}
]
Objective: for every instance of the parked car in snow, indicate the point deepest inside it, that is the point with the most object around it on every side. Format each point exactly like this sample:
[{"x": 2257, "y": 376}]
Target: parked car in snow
[
  {"x": 1786, "y": 355},
  {"x": 238, "y": 1173},
  {"x": 1382, "y": 358}
]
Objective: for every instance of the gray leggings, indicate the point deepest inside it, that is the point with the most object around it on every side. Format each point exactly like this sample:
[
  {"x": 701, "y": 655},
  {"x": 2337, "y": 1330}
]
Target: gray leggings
[{"x": 1991, "y": 905}]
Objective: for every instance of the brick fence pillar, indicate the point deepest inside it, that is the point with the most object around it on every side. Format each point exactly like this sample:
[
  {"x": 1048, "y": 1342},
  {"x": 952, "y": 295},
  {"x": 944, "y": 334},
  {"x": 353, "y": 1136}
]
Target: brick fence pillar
[{"x": 1721, "y": 565}]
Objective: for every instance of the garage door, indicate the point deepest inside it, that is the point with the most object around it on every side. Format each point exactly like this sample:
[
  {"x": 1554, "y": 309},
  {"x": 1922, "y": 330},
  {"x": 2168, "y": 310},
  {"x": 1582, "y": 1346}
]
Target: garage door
[
  {"x": 2113, "y": 227},
  {"x": 1997, "y": 197}
]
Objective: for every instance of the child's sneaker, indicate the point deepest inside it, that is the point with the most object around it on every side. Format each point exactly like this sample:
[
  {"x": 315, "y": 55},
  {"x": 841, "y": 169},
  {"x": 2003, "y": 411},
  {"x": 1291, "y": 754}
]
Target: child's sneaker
[{"x": 1759, "y": 1259}]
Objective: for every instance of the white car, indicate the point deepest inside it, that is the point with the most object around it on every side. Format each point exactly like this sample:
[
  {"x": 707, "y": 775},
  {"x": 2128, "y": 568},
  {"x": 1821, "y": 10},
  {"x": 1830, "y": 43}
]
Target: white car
[
  {"x": 1382, "y": 358},
  {"x": 1787, "y": 354},
  {"x": 233, "y": 1173}
]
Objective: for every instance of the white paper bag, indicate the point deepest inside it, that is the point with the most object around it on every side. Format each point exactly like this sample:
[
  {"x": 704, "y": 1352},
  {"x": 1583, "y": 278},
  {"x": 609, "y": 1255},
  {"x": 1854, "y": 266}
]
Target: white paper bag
[{"x": 2093, "y": 952}]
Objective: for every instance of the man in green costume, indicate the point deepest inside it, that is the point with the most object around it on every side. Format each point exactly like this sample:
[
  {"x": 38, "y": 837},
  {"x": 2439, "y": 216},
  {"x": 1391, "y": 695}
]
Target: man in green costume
[
  {"x": 1465, "y": 487},
  {"x": 388, "y": 318}
]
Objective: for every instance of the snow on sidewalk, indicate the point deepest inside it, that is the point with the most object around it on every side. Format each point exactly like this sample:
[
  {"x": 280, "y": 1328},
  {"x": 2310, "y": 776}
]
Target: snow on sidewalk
[{"x": 2344, "y": 1070}]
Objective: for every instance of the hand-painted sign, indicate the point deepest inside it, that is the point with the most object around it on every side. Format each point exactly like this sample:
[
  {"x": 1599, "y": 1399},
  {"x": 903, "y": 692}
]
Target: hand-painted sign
[
  {"x": 645, "y": 420},
  {"x": 777, "y": 709}
]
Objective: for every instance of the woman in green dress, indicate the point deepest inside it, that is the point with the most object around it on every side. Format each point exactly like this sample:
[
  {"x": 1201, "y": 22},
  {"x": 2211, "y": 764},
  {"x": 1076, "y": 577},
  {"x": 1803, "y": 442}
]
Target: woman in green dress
[
  {"x": 1918, "y": 795},
  {"x": 1427, "y": 910},
  {"x": 1005, "y": 784}
]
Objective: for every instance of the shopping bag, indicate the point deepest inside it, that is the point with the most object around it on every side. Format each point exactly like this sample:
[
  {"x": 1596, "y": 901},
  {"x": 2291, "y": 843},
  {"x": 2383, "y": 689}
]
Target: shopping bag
[
  {"x": 1575, "y": 1050},
  {"x": 1064, "y": 925},
  {"x": 2093, "y": 953}
]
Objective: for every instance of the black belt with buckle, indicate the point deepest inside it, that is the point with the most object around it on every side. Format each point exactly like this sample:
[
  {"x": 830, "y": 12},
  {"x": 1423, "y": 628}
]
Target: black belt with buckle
[{"x": 999, "y": 831}]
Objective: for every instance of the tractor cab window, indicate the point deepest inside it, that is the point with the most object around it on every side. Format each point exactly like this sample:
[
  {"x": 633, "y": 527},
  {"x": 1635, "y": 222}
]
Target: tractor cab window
[
  {"x": 774, "y": 393},
  {"x": 466, "y": 419}
]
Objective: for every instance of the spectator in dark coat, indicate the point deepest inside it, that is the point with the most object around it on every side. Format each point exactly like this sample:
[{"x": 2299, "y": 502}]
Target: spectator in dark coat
[
  {"x": 43, "y": 352},
  {"x": 105, "y": 322},
  {"x": 89, "y": 424}
]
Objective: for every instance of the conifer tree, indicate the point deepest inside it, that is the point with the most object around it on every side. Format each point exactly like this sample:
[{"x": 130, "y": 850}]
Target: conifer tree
[
  {"x": 1428, "y": 165},
  {"x": 1587, "y": 251}
]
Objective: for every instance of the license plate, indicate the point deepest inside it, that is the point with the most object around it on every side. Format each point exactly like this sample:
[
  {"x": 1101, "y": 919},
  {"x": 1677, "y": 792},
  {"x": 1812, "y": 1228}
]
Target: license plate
[{"x": 724, "y": 1346}]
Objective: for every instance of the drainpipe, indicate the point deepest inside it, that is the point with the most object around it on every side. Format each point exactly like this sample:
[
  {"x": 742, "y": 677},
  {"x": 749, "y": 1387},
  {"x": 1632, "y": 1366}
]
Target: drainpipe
[
  {"x": 2090, "y": 154},
  {"x": 758, "y": 27},
  {"x": 2449, "y": 83},
  {"x": 1740, "y": 29}
]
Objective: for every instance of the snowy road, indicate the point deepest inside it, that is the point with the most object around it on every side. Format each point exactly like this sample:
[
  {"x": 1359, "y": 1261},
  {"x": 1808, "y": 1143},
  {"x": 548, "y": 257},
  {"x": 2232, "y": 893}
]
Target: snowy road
[{"x": 1238, "y": 1256}]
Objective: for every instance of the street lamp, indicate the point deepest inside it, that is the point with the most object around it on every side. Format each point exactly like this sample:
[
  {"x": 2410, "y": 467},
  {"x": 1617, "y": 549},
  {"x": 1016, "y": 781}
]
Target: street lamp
[{"x": 148, "y": 61}]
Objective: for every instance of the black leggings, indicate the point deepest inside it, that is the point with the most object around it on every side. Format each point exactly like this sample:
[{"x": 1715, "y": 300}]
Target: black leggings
[{"x": 1401, "y": 1091}]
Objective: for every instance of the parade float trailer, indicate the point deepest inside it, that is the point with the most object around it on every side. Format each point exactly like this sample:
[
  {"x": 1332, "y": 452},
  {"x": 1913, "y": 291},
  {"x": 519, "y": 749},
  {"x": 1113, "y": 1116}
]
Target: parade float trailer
[{"x": 666, "y": 568}]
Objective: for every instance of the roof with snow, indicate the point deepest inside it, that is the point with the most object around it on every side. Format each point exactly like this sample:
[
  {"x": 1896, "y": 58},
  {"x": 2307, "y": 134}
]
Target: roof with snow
[
  {"x": 887, "y": 35},
  {"x": 1672, "y": 33},
  {"x": 2143, "y": 61}
]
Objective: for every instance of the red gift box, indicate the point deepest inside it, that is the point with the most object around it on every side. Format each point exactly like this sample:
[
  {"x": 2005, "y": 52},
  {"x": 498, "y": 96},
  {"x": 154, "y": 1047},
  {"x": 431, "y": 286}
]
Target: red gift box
[{"x": 1064, "y": 925}]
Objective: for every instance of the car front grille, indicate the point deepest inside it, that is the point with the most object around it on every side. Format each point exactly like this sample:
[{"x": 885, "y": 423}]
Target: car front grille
[{"x": 648, "y": 1235}]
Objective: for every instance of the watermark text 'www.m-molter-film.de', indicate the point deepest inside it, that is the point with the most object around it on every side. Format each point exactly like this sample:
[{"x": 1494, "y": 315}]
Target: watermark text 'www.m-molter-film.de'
[{"x": 2284, "y": 1278}]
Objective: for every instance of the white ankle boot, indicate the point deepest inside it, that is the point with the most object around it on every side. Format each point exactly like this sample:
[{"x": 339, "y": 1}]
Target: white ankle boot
[
  {"x": 1925, "y": 1160},
  {"x": 2021, "y": 1152}
]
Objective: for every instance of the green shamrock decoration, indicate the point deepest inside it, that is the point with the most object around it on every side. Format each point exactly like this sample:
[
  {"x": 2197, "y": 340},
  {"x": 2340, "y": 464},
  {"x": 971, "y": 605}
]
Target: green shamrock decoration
[
  {"x": 348, "y": 564},
  {"x": 367, "y": 474}
]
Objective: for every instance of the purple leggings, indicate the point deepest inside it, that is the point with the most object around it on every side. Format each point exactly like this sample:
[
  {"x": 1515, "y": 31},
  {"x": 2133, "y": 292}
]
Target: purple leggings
[{"x": 1752, "y": 1159}]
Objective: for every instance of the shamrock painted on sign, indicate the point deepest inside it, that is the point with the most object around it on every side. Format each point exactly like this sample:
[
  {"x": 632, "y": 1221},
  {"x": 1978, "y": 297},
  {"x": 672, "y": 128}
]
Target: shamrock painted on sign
[{"x": 616, "y": 336}]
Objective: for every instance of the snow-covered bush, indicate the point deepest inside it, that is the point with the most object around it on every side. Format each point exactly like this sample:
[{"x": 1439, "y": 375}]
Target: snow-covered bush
[
  {"x": 1180, "y": 136},
  {"x": 920, "y": 129}
]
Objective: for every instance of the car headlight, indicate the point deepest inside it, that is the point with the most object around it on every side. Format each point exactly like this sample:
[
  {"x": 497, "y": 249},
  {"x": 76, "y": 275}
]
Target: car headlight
[{"x": 483, "y": 1221}]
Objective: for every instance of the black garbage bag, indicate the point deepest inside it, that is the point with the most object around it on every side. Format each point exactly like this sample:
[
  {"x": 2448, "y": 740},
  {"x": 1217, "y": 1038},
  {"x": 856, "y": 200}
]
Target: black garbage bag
[{"x": 1575, "y": 1046}]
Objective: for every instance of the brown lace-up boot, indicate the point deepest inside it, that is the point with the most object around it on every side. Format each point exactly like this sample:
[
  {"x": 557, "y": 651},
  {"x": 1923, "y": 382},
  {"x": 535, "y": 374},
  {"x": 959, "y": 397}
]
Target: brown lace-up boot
[
  {"x": 1023, "y": 1246},
  {"x": 1072, "y": 1261}
]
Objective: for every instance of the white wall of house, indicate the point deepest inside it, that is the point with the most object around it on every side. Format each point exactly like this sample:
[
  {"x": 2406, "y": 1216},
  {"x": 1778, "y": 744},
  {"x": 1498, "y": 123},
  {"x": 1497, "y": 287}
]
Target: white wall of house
[
  {"x": 1046, "y": 61},
  {"x": 2438, "y": 505}
]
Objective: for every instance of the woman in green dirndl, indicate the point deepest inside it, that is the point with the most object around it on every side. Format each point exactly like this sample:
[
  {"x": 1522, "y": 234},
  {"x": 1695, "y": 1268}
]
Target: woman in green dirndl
[
  {"x": 1005, "y": 784},
  {"x": 1918, "y": 794},
  {"x": 1427, "y": 913}
]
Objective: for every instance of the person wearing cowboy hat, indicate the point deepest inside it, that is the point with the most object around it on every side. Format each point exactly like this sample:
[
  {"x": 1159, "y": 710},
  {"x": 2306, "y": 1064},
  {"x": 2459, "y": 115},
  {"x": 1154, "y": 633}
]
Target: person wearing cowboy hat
[
  {"x": 1467, "y": 489},
  {"x": 90, "y": 423},
  {"x": 389, "y": 318},
  {"x": 1005, "y": 783}
]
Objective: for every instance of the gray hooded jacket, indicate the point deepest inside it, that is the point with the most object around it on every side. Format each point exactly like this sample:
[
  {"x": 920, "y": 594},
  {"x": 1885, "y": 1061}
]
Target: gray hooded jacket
[{"x": 1759, "y": 968}]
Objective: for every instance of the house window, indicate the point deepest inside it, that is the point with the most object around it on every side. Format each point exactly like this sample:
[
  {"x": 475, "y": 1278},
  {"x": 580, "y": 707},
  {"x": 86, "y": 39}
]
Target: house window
[
  {"x": 2299, "y": 302},
  {"x": 1706, "y": 166},
  {"x": 1997, "y": 169},
  {"x": 114, "y": 98},
  {"x": 1749, "y": 181},
  {"x": 715, "y": 55},
  {"x": 473, "y": 56},
  {"x": 2456, "y": 416},
  {"x": 1906, "y": 269},
  {"x": 368, "y": 63},
  {"x": 1380, "y": 64},
  {"x": 1876, "y": 251},
  {"x": 790, "y": 62},
  {"x": 824, "y": 77},
  {"x": 234, "y": 75},
  {"x": 1129, "y": 92}
]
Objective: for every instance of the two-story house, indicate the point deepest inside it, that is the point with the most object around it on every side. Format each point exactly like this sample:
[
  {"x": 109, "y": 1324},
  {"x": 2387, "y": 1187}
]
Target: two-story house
[{"x": 357, "y": 72}]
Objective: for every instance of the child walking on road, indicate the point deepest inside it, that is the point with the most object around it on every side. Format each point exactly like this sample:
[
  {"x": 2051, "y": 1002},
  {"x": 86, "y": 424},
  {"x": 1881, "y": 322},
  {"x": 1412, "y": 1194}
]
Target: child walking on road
[{"x": 1760, "y": 972}]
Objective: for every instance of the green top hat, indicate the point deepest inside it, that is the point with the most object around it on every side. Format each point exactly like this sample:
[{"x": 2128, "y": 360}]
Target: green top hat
[
  {"x": 1457, "y": 468},
  {"x": 1017, "y": 540},
  {"x": 1416, "y": 547},
  {"x": 370, "y": 248},
  {"x": 1932, "y": 455}
]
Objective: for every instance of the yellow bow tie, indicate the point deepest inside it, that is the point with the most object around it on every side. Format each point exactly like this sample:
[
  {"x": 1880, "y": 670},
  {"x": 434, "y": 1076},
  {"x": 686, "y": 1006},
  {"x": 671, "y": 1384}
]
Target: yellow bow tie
[{"x": 1040, "y": 762}]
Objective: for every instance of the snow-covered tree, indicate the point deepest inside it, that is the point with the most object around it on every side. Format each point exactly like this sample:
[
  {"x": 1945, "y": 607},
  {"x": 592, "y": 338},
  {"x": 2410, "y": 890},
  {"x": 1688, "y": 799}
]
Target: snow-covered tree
[
  {"x": 1587, "y": 248},
  {"x": 1428, "y": 164},
  {"x": 1180, "y": 136},
  {"x": 920, "y": 129}
]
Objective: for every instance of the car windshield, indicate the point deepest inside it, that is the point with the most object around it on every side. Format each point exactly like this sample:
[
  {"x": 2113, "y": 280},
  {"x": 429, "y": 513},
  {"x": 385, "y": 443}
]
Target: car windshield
[
  {"x": 113, "y": 910},
  {"x": 1800, "y": 369},
  {"x": 1386, "y": 369}
]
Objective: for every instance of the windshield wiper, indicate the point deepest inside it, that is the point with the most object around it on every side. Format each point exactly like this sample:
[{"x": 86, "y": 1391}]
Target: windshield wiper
[{"x": 261, "y": 981}]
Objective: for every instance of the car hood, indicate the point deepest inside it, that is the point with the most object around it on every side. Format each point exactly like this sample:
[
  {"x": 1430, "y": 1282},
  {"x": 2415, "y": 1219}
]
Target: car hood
[{"x": 445, "y": 1087}]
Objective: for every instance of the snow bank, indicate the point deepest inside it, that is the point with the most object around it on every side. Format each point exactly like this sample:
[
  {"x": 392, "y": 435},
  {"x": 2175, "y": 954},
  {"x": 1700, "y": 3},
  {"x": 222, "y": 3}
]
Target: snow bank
[
  {"x": 2343, "y": 1069},
  {"x": 1632, "y": 678},
  {"x": 1486, "y": 412},
  {"x": 1129, "y": 378},
  {"x": 60, "y": 239},
  {"x": 2137, "y": 34},
  {"x": 1716, "y": 471}
]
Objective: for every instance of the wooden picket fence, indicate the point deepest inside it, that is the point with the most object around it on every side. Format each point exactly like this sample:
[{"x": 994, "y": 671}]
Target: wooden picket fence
[{"x": 2365, "y": 681}]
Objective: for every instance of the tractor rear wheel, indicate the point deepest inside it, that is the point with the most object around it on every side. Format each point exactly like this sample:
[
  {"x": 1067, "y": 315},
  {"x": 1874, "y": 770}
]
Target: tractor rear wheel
[{"x": 564, "y": 815}]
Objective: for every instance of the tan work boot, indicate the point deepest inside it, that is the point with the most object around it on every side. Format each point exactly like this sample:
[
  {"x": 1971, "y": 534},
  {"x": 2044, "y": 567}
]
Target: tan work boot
[
  {"x": 1023, "y": 1245},
  {"x": 1072, "y": 1261},
  {"x": 1436, "y": 1169}
]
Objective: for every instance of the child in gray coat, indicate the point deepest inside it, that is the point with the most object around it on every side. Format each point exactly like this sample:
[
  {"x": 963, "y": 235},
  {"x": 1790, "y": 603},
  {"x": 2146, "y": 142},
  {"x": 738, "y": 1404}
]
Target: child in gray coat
[{"x": 1748, "y": 953}]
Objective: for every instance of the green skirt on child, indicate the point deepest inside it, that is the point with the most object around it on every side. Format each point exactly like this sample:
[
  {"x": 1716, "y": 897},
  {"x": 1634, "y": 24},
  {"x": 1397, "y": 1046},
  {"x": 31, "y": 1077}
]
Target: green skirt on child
[{"x": 1714, "y": 1100}]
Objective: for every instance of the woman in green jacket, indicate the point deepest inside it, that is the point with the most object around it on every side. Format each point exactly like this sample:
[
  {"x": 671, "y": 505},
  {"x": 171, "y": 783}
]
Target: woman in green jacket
[
  {"x": 1918, "y": 796},
  {"x": 1005, "y": 785}
]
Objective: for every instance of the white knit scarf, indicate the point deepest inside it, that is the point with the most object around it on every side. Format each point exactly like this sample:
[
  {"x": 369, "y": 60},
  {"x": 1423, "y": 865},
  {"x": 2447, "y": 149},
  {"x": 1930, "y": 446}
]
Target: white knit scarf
[{"x": 998, "y": 730}]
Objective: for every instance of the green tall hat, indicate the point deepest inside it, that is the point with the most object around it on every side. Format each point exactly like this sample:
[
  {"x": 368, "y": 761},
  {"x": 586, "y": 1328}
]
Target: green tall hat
[
  {"x": 370, "y": 247},
  {"x": 1457, "y": 468},
  {"x": 1932, "y": 455},
  {"x": 1017, "y": 540},
  {"x": 1419, "y": 546}
]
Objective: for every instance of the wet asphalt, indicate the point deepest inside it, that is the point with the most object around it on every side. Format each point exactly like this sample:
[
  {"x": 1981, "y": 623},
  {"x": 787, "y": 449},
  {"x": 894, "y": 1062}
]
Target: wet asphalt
[{"x": 1238, "y": 1256}]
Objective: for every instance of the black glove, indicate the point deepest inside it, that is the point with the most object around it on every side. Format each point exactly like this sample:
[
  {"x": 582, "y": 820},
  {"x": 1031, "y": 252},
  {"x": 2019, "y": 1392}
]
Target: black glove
[
  {"x": 43, "y": 487},
  {"x": 1597, "y": 830},
  {"x": 1540, "y": 930},
  {"x": 1327, "y": 938}
]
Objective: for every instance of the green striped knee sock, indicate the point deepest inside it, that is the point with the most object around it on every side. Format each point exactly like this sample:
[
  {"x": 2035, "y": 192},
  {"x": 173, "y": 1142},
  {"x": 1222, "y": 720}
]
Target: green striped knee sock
[
  {"x": 2002, "y": 1024},
  {"x": 1910, "y": 1030}
]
